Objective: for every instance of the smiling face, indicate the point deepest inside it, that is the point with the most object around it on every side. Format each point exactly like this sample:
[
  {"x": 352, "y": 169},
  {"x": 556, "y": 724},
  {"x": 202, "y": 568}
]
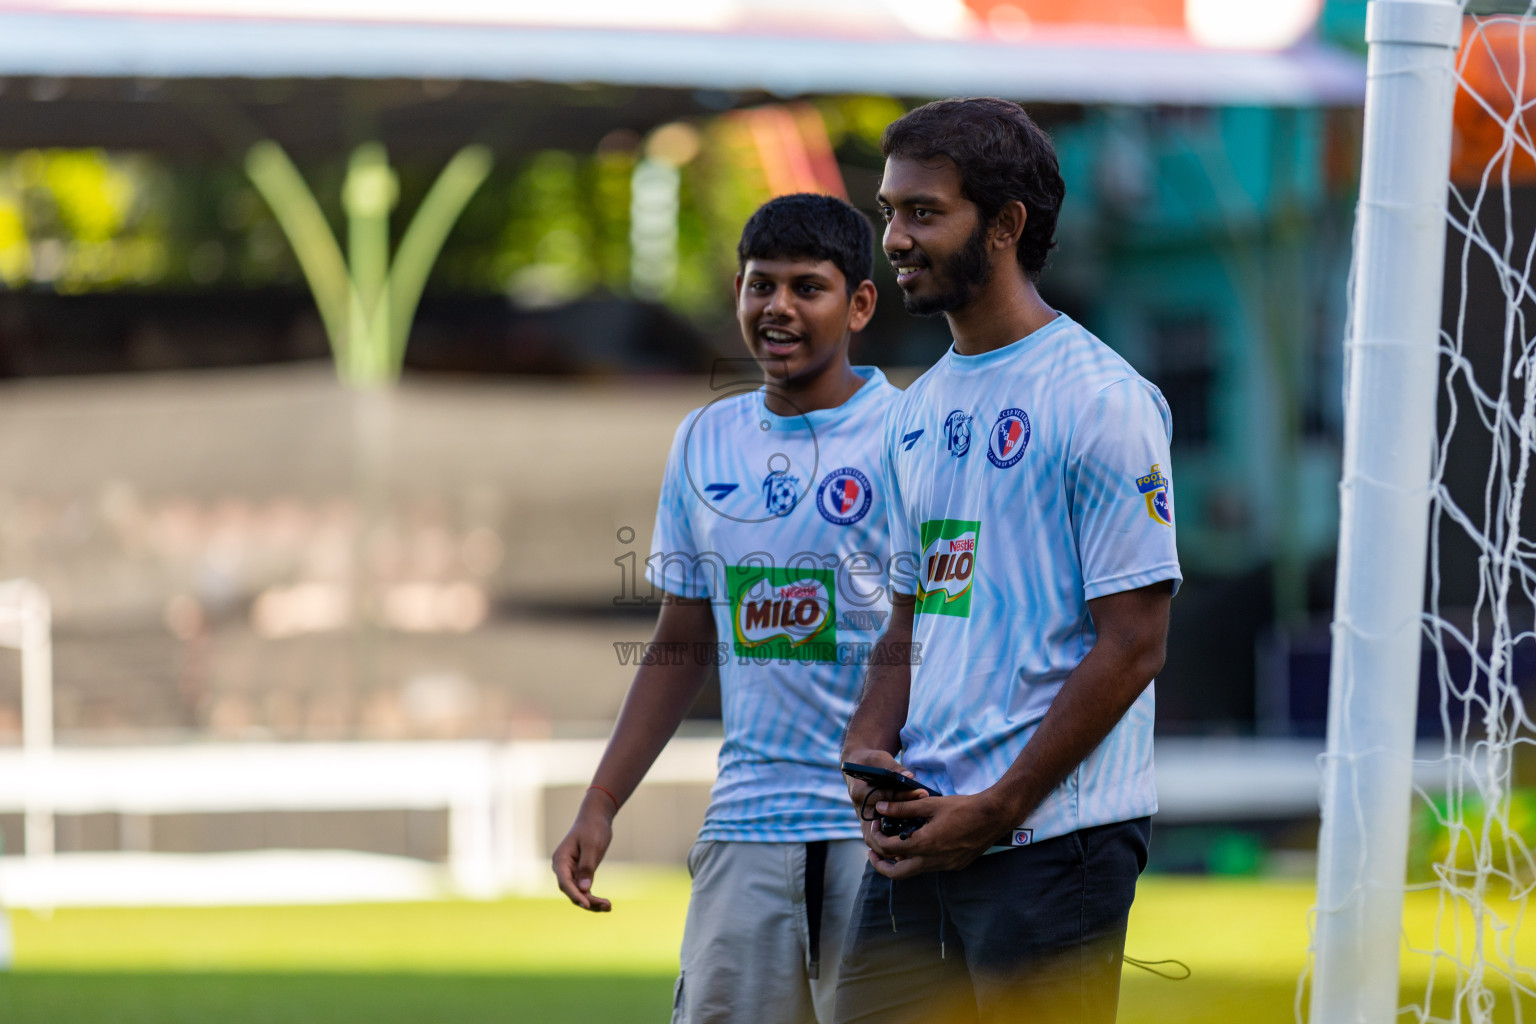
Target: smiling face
[
  {"x": 796, "y": 316},
  {"x": 934, "y": 235}
]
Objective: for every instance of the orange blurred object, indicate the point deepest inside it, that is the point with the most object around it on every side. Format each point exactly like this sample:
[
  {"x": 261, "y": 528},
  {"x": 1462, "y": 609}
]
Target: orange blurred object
[
  {"x": 793, "y": 149},
  {"x": 1491, "y": 90},
  {"x": 1127, "y": 13}
]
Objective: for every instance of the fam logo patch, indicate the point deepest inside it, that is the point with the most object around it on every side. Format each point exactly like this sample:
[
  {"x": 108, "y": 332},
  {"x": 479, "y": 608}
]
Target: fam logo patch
[
  {"x": 957, "y": 433},
  {"x": 781, "y": 492},
  {"x": 1009, "y": 438},
  {"x": 1154, "y": 487},
  {"x": 948, "y": 566},
  {"x": 783, "y": 613},
  {"x": 844, "y": 496},
  {"x": 1023, "y": 836}
]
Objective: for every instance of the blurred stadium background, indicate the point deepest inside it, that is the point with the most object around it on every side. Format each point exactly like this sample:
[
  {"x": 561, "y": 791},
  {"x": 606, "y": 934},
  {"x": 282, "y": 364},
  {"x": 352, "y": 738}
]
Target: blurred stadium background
[{"x": 326, "y": 635}]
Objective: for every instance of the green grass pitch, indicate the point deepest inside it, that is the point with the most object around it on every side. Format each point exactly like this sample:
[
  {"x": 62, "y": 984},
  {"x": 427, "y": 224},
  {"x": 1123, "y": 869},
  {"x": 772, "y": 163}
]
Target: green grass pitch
[{"x": 541, "y": 961}]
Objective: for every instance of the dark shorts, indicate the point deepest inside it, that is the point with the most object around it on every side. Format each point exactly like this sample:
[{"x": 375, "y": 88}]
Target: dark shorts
[{"x": 1032, "y": 934}]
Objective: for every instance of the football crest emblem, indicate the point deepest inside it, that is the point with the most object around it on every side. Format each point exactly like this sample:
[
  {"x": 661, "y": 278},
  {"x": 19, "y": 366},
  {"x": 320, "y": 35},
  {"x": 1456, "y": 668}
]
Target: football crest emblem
[
  {"x": 957, "y": 433},
  {"x": 781, "y": 493},
  {"x": 1009, "y": 438},
  {"x": 844, "y": 496}
]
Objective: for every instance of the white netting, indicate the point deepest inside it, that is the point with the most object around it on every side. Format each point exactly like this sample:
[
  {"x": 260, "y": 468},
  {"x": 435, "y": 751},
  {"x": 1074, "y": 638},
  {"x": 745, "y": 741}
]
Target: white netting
[{"x": 1471, "y": 869}]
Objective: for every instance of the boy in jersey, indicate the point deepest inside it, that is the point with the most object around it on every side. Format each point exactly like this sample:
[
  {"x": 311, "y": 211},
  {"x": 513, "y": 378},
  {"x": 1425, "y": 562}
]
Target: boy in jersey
[
  {"x": 768, "y": 537},
  {"x": 1028, "y": 473}
]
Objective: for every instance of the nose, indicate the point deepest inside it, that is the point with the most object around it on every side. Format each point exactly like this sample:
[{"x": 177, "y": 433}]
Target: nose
[
  {"x": 778, "y": 302},
  {"x": 896, "y": 239}
]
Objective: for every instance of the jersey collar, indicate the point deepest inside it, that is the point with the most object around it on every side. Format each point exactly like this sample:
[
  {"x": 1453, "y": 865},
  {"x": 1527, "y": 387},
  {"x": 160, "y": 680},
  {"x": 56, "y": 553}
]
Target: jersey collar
[
  {"x": 874, "y": 383},
  {"x": 954, "y": 362}
]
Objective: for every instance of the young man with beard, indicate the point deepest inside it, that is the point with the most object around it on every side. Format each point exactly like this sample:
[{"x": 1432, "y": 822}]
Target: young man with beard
[
  {"x": 1029, "y": 480},
  {"x": 768, "y": 536}
]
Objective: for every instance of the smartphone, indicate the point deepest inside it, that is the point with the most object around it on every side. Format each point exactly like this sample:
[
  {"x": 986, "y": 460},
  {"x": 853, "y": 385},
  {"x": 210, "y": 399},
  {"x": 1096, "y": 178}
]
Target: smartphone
[{"x": 884, "y": 778}]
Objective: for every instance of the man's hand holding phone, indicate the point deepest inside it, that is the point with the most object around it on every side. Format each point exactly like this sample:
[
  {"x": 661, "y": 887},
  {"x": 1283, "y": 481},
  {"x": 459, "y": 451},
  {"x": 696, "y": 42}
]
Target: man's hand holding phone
[{"x": 882, "y": 781}]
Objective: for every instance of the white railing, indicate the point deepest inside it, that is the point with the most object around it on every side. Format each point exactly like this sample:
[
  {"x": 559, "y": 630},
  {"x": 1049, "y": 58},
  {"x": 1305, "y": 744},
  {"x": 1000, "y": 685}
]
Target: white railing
[{"x": 494, "y": 795}]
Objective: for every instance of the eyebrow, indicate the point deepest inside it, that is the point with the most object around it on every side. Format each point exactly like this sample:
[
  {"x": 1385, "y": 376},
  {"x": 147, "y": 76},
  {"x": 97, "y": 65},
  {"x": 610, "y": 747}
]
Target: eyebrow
[
  {"x": 917, "y": 200},
  {"x": 809, "y": 275}
]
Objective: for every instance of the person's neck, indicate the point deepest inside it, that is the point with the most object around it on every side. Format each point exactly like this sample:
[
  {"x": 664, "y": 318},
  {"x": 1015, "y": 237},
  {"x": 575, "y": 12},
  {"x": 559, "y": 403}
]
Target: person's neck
[
  {"x": 1007, "y": 309},
  {"x": 827, "y": 390}
]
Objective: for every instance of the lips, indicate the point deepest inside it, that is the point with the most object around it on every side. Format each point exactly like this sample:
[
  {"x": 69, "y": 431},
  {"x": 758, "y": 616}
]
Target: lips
[
  {"x": 908, "y": 269},
  {"x": 777, "y": 341}
]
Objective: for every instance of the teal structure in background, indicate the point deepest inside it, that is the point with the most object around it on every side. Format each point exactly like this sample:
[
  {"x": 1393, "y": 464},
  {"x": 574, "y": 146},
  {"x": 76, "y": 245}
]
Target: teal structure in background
[{"x": 1211, "y": 247}]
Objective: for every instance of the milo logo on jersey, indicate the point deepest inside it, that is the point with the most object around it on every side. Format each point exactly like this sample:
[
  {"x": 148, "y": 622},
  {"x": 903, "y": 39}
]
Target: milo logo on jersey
[
  {"x": 948, "y": 566},
  {"x": 783, "y": 614}
]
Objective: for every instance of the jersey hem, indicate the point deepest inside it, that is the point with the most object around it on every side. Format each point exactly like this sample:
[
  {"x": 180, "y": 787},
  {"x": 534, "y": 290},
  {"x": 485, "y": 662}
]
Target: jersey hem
[
  {"x": 1042, "y": 833},
  {"x": 664, "y": 585},
  {"x": 1131, "y": 581},
  {"x": 807, "y": 835}
]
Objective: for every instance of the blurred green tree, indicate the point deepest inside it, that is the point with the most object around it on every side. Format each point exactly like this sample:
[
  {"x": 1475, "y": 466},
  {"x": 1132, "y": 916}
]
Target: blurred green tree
[{"x": 366, "y": 301}]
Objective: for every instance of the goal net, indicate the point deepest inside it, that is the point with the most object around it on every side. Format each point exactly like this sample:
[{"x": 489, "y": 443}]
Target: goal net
[{"x": 1421, "y": 899}]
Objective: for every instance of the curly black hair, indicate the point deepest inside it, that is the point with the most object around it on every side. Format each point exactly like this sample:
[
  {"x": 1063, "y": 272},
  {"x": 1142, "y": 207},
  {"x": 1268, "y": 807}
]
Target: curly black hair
[
  {"x": 814, "y": 227},
  {"x": 1002, "y": 155}
]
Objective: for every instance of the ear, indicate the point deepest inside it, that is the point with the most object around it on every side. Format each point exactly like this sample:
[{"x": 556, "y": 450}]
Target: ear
[
  {"x": 861, "y": 306},
  {"x": 738, "y": 288},
  {"x": 1008, "y": 225}
]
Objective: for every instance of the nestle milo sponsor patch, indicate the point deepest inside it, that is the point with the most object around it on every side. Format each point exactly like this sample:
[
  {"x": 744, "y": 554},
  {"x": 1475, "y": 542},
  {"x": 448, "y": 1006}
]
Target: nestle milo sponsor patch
[
  {"x": 783, "y": 613},
  {"x": 948, "y": 566}
]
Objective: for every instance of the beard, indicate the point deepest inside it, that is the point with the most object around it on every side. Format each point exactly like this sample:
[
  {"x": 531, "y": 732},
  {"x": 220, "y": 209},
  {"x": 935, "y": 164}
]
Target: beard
[{"x": 959, "y": 276}]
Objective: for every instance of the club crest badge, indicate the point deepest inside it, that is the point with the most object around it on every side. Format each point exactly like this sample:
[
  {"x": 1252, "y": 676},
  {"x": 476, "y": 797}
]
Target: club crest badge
[
  {"x": 957, "y": 433},
  {"x": 844, "y": 496},
  {"x": 1154, "y": 488},
  {"x": 1009, "y": 438},
  {"x": 781, "y": 493}
]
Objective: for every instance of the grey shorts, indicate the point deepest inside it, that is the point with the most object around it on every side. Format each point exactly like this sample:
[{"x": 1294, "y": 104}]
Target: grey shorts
[{"x": 759, "y": 945}]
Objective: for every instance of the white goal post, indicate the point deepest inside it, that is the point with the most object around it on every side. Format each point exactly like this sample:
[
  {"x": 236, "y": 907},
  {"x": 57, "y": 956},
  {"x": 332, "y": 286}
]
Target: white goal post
[
  {"x": 26, "y": 624},
  {"x": 1392, "y": 355}
]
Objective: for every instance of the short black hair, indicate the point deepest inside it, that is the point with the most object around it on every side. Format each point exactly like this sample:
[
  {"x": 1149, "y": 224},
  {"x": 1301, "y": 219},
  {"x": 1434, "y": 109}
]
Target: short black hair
[
  {"x": 806, "y": 226},
  {"x": 1002, "y": 155}
]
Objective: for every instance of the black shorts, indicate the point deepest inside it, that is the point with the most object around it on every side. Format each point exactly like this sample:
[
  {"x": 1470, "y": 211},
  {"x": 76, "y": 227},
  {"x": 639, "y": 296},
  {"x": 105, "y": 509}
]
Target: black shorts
[{"x": 1031, "y": 934}]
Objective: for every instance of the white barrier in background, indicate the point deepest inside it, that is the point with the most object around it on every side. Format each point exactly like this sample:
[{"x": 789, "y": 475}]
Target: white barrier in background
[{"x": 494, "y": 795}]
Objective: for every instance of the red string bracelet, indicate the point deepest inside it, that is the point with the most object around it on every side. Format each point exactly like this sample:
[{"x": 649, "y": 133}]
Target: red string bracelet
[{"x": 606, "y": 792}]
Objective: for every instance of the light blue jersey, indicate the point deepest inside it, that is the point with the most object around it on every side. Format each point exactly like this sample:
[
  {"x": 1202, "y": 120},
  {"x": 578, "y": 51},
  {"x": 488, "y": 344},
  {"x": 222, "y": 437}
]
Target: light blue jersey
[
  {"x": 781, "y": 522},
  {"x": 1026, "y": 481}
]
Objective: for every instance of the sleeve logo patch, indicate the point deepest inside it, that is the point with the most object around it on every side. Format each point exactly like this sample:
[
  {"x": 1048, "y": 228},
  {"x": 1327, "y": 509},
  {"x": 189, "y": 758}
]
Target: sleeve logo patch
[
  {"x": 948, "y": 566},
  {"x": 1154, "y": 488}
]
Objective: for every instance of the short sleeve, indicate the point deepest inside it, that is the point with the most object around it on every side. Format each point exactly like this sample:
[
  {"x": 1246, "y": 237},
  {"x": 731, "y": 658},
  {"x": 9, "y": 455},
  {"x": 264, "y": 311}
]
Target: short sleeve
[
  {"x": 1120, "y": 483},
  {"x": 673, "y": 565},
  {"x": 905, "y": 554}
]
